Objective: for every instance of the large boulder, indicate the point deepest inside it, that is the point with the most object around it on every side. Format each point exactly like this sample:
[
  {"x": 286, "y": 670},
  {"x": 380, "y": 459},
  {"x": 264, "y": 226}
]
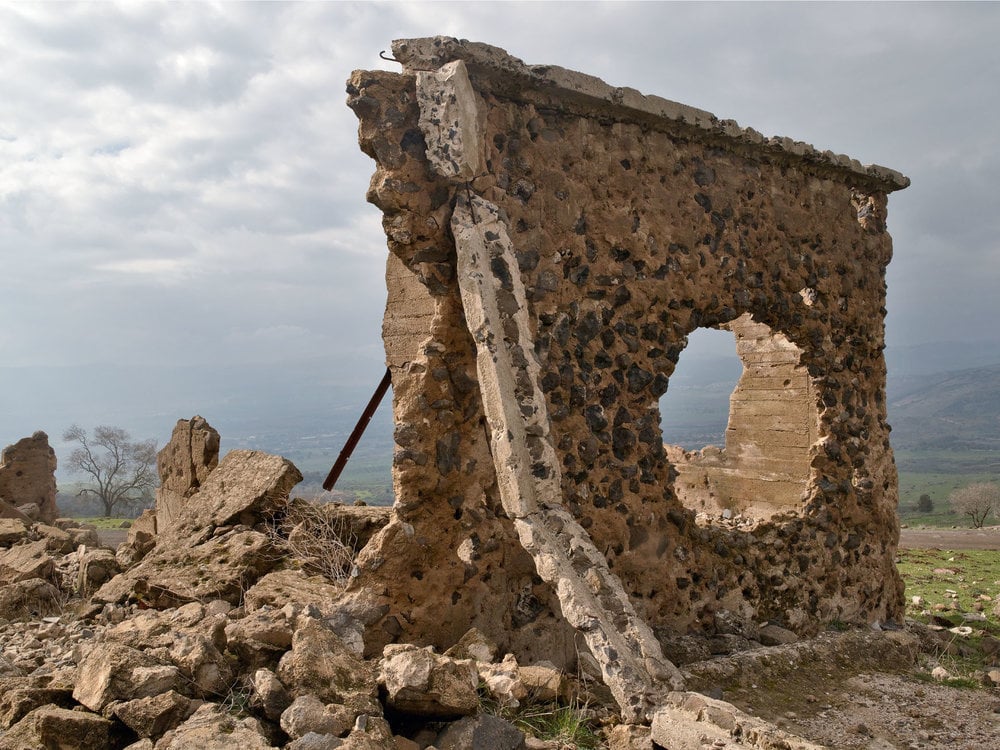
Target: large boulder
[
  {"x": 24, "y": 561},
  {"x": 418, "y": 681},
  {"x": 212, "y": 550},
  {"x": 54, "y": 727}
]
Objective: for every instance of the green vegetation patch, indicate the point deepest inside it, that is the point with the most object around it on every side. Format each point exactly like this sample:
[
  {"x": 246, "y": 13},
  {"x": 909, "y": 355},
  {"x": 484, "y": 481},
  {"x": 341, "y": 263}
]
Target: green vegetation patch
[
  {"x": 102, "y": 522},
  {"x": 938, "y": 473},
  {"x": 956, "y": 593},
  {"x": 951, "y": 583}
]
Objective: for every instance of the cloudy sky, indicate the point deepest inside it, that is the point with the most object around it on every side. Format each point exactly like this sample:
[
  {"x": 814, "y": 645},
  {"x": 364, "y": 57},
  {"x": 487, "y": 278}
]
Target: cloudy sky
[{"x": 182, "y": 182}]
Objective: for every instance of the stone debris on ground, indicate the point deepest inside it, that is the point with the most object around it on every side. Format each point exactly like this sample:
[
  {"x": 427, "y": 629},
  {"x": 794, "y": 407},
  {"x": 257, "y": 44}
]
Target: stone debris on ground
[{"x": 286, "y": 666}]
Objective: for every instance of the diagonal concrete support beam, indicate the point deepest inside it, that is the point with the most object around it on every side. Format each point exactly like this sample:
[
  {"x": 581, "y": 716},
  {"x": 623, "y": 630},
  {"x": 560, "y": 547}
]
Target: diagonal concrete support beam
[
  {"x": 496, "y": 309},
  {"x": 591, "y": 596}
]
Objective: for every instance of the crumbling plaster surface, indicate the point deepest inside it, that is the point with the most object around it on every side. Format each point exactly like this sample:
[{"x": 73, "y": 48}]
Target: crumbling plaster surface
[{"x": 634, "y": 221}]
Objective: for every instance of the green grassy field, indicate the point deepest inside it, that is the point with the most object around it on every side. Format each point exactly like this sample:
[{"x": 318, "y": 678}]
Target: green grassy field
[
  {"x": 951, "y": 589},
  {"x": 938, "y": 473},
  {"x": 105, "y": 523}
]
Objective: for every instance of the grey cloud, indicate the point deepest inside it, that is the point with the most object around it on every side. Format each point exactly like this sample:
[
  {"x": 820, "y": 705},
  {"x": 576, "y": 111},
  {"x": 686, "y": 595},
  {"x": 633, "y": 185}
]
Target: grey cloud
[{"x": 186, "y": 176}]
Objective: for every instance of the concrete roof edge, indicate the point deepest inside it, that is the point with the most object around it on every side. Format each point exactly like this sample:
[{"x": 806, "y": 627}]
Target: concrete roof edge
[{"x": 430, "y": 53}]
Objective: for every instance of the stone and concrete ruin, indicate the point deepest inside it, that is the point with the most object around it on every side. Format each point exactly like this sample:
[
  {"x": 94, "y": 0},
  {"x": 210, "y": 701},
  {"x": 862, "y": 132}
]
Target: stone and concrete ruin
[
  {"x": 27, "y": 478},
  {"x": 553, "y": 241}
]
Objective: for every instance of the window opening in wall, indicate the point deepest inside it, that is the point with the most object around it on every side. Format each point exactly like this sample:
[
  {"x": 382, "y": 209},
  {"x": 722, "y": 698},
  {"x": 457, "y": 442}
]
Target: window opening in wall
[
  {"x": 694, "y": 411},
  {"x": 760, "y": 465}
]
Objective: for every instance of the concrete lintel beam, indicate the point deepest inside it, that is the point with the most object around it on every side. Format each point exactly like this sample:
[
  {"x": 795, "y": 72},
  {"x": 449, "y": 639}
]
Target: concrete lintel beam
[{"x": 511, "y": 75}]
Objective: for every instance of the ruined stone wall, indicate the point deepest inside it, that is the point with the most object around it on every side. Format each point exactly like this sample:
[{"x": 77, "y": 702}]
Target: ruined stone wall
[
  {"x": 634, "y": 221},
  {"x": 27, "y": 475}
]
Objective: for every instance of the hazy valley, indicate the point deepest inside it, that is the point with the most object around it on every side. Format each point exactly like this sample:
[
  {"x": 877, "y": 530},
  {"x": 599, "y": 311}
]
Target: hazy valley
[{"x": 944, "y": 406}]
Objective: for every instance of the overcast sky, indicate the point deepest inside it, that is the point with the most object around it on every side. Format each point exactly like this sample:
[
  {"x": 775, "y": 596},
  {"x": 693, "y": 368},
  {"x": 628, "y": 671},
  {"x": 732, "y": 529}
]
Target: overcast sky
[{"x": 182, "y": 182}]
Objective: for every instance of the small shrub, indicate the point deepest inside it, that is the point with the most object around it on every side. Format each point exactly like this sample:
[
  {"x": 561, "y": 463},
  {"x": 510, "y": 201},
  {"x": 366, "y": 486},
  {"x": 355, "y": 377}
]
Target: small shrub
[{"x": 316, "y": 540}]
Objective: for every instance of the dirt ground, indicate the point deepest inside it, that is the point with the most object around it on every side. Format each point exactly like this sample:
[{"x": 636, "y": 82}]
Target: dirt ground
[
  {"x": 987, "y": 538},
  {"x": 885, "y": 710}
]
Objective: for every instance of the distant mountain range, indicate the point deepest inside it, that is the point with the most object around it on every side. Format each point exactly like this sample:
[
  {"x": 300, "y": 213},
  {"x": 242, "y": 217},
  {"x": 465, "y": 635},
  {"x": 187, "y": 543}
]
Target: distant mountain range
[{"x": 944, "y": 396}]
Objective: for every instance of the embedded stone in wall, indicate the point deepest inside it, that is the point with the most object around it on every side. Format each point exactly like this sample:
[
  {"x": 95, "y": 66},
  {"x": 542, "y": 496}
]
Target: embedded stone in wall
[{"x": 27, "y": 475}]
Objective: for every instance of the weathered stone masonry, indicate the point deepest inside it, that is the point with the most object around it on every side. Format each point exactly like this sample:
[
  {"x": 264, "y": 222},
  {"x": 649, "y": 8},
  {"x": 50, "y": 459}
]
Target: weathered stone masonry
[{"x": 605, "y": 227}]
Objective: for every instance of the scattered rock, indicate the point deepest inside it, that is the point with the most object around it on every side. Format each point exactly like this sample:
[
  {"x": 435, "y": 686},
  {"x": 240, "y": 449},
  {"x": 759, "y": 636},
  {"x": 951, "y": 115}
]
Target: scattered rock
[
  {"x": 940, "y": 674},
  {"x": 33, "y": 598},
  {"x": 12, "y": 531},
  {"x": 307, "y": 714},
  {"x": 320, "y": 664},
  {"x": 269, "y": 695},
  {"x": 113, "y": 672},
  {"x": 483, "y": 732},
  {"x": 140, "y": 540},
  {"x": 54, "y": 727},
  {"x": 24, "y": 561},
  {"x": 775, "y": 635},
  {"x": 21, "y": 695},
  {"x": 154, "y": 715},
  {"x": 212, "y": 550},
  {"x": 212, "y": 728},
  {"x": 473, "y": 645},
  {"x": 420, "y": 682}
]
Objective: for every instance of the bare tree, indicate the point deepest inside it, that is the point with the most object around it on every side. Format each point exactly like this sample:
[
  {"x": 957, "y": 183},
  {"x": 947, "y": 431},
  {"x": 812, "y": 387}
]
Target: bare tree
[
  {"x": 122, "y": 471},
  {"x": 977, "y": 501}
]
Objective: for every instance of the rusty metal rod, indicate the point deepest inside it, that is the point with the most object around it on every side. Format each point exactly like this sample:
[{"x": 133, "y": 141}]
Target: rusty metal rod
[{"x": 359, "y": 429}]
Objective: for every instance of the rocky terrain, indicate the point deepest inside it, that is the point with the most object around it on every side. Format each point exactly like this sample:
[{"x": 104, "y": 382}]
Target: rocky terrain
[{"x": 227, "y": 626}]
